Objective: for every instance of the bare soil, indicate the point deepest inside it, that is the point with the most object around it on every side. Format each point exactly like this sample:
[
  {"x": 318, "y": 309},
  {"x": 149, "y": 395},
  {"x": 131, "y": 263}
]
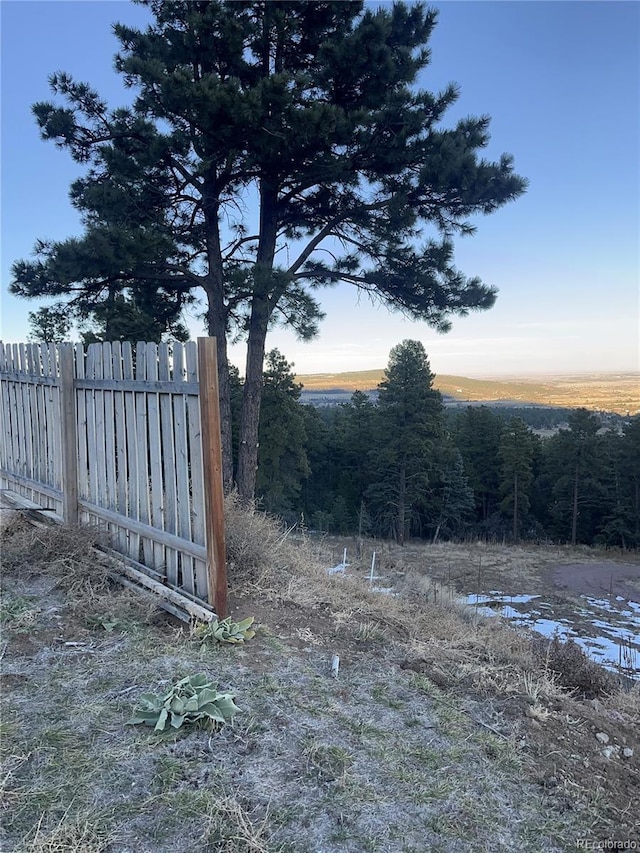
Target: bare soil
[{"x": 598, "y": 579}]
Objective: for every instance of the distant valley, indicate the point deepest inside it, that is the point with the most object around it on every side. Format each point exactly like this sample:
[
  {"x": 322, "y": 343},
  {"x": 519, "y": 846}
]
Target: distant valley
[{"x": 611, "y": 392}]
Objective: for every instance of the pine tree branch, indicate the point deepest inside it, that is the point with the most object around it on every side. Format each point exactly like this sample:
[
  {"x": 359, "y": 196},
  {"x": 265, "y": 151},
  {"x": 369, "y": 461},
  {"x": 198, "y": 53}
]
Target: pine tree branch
[
  {"x": 313, "y": 244},
  {"x": 229, "y": 251}
]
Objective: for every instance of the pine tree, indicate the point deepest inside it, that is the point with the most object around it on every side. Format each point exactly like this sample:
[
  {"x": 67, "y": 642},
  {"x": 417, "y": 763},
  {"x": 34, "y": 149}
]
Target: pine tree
[
  {"x": 260, "y": 127},
  {"x": 573, "y": 467},
  {"x": 454, "y": 503},
  {"x": 515, "y": 453},
  {"x": 354, "y": 425},
  {"x": 50, "y": 324},
  {"x": 476, "y": 433},
  {"x": 410, "y": 423},
  {"x": 619, "y": 525},
  {"x": 282, "y": 456}
]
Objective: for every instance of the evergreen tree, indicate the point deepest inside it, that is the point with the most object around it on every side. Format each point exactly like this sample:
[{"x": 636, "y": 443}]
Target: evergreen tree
[
  {"x": 120, "y": 318},
  {"x": 282, "y": 458},
  {"x": 619, "y": 524},
  {"x": 50, "y": 324},
  {"x": 630, "y": 478},
  {"x": 307, "y": 112},
  {"x": 573, "y": 467},
  {"x": 515, "y": 453},
  {"x": 354, "y": 426},
  {"x": 454, "y": 501},
  {"x": 477, "y": 436},
  {"x": 410, "y": 422},
  {"x": 317, "y": 493}
]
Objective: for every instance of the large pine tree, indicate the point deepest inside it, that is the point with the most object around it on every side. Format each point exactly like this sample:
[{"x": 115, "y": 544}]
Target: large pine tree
[
  {"x": 264, "y": 133},
  {"x": 409, "y": 426}
]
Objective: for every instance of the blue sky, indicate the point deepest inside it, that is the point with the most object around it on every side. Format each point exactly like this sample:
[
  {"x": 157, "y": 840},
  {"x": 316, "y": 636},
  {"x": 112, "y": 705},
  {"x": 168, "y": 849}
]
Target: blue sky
[{"x": 561, "y": 83}]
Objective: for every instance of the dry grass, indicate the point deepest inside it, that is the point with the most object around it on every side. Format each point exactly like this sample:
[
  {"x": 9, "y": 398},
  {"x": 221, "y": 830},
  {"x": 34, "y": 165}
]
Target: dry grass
[
  {"x": 59, "y": 552},
  {"x": 259, "y": 551},
  {"x": 383, "y": 757},
  {"x": 68, "y": 836},
  {"x": 573, "y": 669},
  {"x": 229, "y": 827}
]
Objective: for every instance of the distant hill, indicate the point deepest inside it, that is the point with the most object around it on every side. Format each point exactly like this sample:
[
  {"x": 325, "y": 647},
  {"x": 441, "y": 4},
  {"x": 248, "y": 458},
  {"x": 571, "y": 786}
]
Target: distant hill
[{"x": 611, "y": 392}]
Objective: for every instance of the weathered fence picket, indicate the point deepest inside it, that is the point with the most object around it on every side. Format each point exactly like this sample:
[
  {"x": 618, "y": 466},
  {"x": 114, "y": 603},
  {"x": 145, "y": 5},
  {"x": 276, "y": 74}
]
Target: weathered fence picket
[{"x": 114, "y": 437}]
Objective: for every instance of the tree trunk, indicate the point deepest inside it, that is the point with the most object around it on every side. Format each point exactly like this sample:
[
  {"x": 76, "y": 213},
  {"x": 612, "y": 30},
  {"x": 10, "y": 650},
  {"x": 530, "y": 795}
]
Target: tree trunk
[
  {"x": 251, "y": 399},
  {"x": 265, "y": 298},
  {"x": 574, "y": 519},
  {"x": 515, "y": 507},
  {"x": 216, "y": 328},
  {"x": 402, "y": 511},
  {"x": 217, "y": 323}
]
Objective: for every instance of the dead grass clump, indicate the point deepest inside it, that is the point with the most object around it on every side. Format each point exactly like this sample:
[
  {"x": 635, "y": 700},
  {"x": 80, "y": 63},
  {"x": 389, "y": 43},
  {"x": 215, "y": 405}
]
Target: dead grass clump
[
  {"x": 625, "y": 702},
  {"x": 259, "y": 549},
  {"x": 229, "y": 827},
  {"x": 573, "y": 668},
  {"x": 59, "y": 551},
  {"x": 65, "y": 556},
  {"x": 68, "y": 836}
]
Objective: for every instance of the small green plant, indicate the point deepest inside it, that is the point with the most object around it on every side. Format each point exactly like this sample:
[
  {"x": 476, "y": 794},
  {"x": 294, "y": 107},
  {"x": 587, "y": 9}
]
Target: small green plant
[
  {"x": 225, "y": 631},
  {"x": 106, "y": 621},
  {"x": 193, "y": 699}
]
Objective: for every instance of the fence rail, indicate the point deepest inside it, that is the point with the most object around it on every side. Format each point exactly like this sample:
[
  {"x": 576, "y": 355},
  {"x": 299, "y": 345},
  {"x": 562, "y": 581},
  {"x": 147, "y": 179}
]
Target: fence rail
[{"x": 126, "y": 438}]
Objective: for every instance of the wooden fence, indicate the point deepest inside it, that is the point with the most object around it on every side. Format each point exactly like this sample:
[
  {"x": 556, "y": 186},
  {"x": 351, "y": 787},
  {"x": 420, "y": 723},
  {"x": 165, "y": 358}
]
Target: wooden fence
[{"x": 126, "y": 438}]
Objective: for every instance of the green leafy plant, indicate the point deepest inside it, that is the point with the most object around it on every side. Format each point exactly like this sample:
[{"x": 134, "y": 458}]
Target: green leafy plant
[
  {"x": 106, "y": 621},
  {"x": 193, "y": 699},
  {"x": 225, "y": 631}
]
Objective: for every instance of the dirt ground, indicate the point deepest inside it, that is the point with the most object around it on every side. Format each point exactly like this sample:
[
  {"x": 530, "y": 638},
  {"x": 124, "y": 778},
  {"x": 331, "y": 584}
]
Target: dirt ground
[
  {"x": 599, "y": 579},
  {"x": 441, "y": 732}
]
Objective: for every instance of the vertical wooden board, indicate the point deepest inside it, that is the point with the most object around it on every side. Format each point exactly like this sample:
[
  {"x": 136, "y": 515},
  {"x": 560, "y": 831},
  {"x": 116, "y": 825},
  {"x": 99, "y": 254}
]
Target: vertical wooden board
[
  {"x": 133, "y": 507},
  {"x": 155, "y": 454},
  {"x": 142, "y": 440},
  {"x": 168, "y": 458},
  {"x": 13, "y": 449},
  {"x": 17, "y": 424},
  {"x": 4, "y": 412},
  {"x": 54, "y": 450},
  {"x": 40, "y": 418},
  {"x": 47, "y": 415},
  {"x": 29, "y": 362},
  {"x": 11, "y": 413},
  {"x": 6, "y": 461},
  {"x": 212, "y": 469},
  {"x": 34, "y": 371},
  {"x": 90, "y": 399},
  {"x": 109, "y": 429},
  {"x": 30, "y": 410},
  {"x": 69, "y": 440},
  {"x": 101, "y": 460},
  {"x": 81, "y": 427},
  {"x": 195, "y": 465},
  {"x": 182, "y": 467},
  {"x": 21, "y": 424},
  {"x": 17, "y": 418},
  {"x": 120, "y": 446},
  {"x": 25, "y": 434}
]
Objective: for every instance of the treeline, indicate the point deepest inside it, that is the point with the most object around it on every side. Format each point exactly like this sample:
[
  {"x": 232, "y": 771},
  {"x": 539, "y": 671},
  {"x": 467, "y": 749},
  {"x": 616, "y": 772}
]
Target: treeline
[{"x": 401, "y": 467}]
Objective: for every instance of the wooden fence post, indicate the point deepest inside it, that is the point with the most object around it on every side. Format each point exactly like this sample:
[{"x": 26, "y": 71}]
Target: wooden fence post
[
  {"x": 212, "y": 470},
  {"x": 68, "y": 431}
]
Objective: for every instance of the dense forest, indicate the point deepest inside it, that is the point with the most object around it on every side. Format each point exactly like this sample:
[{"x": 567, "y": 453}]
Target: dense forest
[{"x": 403, "y": 466}]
